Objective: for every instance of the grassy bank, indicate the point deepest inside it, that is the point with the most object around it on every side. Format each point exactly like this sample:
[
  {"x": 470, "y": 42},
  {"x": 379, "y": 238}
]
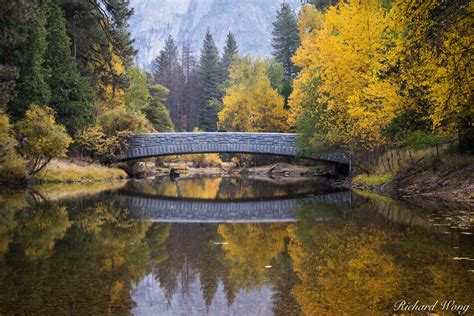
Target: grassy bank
[
  {"x": 59, "y": 171},
  {"x": 372, "y": 180}
]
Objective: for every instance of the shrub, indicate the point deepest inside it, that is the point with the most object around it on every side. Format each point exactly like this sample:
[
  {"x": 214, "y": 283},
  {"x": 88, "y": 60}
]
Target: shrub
[
  {"x": 42, "y": 139},
  {"x": 12, "y": 166},
  {"x": 108, "y": 138}
]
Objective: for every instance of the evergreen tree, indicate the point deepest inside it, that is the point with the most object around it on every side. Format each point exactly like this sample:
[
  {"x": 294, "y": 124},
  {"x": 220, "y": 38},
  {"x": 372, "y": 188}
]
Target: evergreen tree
[
  {"x": 322, "y": 5},
  {"x": 191, "y": 88},
  {"x": 72, "y": 98},
  {"x": 230, "y": 50},
  {"x": 156, "y": 111},
  {"x": 163, "y": 63},
  {"x": 285, "y": 39},
  {"x": 209, "y": 78},
  {"x": 23, "y": 44},
  {"x": 100, "y": 40}
]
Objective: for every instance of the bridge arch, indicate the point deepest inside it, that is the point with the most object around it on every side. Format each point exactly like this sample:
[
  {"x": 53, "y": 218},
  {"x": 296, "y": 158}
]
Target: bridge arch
[{"x": 165, "y": 144}]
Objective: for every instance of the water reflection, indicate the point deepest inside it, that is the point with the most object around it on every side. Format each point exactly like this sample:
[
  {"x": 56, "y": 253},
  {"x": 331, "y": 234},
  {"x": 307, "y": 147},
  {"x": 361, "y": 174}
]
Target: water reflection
[{"x": 92, "y": 256}]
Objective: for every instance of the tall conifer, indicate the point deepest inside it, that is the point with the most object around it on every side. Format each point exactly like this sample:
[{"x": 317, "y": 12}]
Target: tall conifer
[
  {"x": 209, "y": 77},
  {"x": 285, "y": 39},
  {"x": 230, "y": 50},
  {"x": 71, "y": 95}
]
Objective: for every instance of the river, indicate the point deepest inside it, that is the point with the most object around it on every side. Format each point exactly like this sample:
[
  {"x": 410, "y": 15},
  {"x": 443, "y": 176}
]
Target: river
[{"x": 229, "y": 246}]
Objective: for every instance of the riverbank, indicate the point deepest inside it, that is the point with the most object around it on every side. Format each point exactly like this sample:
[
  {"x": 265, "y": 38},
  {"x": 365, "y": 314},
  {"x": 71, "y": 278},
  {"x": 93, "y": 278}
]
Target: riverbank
[
  {"x": 65, "y": 171},
  {"x": 449, "y": 179}
]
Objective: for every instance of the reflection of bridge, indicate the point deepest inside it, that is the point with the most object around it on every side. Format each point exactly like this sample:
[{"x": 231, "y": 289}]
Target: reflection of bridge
[
  {"x": 162, "y": 144},
  {"x": 202, "y": 211}
]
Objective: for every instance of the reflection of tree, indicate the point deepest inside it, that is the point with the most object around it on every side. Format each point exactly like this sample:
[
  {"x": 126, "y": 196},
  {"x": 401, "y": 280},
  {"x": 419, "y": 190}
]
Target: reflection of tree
[
  {"x": 284, "y": 278},
  {"x": 430, "y": 271},
  {"x": 91, "y": 265},
  {"x": 39, "y": 228},
  {"x": 341, "y": 267},
  {"x": 249, "y": 249},
  {"x": 368, "y": 259},
  {"x": 198, "y": 188},
  {"x": 10, "y": 204},
  {"x": 192, "y": 254},
  {"x": 219, "y": 188}
]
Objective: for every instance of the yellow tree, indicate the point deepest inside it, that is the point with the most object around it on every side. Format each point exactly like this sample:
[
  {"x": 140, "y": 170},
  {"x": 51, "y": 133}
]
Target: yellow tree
[
  {"x": 432, "y": 56},
  {"x": 344, "y": 50},
  {"x": 250, "y": 103}
]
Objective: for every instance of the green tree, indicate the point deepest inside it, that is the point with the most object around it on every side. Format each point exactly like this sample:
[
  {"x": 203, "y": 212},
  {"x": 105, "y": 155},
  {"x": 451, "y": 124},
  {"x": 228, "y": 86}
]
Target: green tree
[
  {"x": 137, "y": 95},
  {"x": 163, "y": 63},
  {"x": 285, "y": 38},
  {"x": 23, "y": 46},
  {"x": 230, "y": 50},
  {"x": 209, "y": 77},
  {"x": 156, "y": 112},
  {"x": 72, "y": 98},
  {"x": 100, "y": 39},
  {"x": 322, "y": 5},
  {"x": 42, "y": 139}
]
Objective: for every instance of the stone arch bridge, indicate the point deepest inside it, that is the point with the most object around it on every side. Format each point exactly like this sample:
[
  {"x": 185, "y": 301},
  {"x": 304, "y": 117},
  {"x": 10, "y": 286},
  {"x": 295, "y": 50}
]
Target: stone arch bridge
[{"x": 163, "y": 144}]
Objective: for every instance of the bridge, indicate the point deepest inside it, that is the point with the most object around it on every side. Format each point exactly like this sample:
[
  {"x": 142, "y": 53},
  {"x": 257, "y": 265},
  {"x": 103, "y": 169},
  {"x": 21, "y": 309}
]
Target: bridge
[
  {"x": 208, "y": 211},
  {"x": 163, "y": 144}
]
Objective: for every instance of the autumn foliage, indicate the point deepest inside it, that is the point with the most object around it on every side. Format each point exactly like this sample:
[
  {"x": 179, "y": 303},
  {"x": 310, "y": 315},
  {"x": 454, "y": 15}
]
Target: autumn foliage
[{"x": 368, "y": 67}]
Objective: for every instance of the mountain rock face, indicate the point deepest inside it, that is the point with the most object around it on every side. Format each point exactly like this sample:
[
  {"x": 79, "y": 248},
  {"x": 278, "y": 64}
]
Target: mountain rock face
[{"x": 188, "y": 20}]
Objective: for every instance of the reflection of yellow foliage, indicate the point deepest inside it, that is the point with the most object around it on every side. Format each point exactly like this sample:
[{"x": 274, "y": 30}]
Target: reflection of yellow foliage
[
  {"x": 116, "y": 291},
  {"x": 251, "y": 247},
  {"x": 10, "y": 204},
  {"x": 40, "y": 229},
  {"x": 200, "y": 188},
  {"x": 342, "y": 268}
]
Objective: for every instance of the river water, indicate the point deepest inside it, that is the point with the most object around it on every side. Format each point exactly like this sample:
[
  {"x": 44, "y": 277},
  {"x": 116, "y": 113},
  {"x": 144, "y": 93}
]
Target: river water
[{"x": 230, "y": 246}]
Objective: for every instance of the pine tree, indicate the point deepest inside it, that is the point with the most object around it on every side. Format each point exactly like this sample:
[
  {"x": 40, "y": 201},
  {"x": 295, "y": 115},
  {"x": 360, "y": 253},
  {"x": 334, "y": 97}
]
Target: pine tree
[
  {"x": 191, "y": 88},
  {"x": 156, "y": 112},
  {"x": 72, "y": 98},
  {"x": 100, "y": 39},
  {"x": 285, "y": 39},
  {"x": 230, "y": 50},
  {"x": 24, "y": 50},
  {"x": 209, "y": 78},
  {"x": 322, "y": 5},
  {"x": 163, "y": 63}
]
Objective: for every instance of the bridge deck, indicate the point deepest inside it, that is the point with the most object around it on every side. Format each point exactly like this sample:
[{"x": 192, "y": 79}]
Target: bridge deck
[{"x": 162, "y": 144}]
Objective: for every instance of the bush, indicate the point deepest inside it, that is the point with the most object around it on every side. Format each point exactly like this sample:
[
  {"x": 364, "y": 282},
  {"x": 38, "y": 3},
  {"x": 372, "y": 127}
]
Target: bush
[
  {"x": 42, "y": 139},
  {"x": 108, "y": 138},
  {"x": 12, "y": 166}
]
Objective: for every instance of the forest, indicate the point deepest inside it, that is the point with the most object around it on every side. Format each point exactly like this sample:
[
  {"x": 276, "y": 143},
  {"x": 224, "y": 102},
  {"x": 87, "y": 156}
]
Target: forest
[{"x": 362, "y": 77}]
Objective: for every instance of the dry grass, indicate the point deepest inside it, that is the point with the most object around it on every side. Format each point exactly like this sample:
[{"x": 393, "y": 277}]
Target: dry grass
[
  {"x": 63, "y": 171},
  {"x": 373, "y": 179}
]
